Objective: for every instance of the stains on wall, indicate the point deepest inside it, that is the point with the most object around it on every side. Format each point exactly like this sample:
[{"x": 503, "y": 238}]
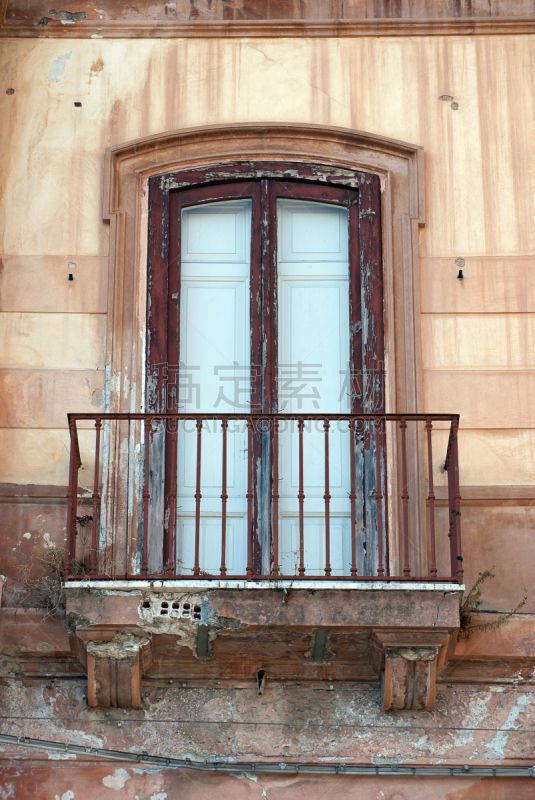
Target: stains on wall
[
  {"x": 478, "y": 162},
  {"x": 53, "y": 192},
  {"x": 96, "y": 67}
]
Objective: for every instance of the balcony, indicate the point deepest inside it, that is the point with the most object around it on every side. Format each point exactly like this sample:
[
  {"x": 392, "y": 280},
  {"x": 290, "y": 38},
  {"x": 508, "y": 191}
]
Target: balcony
[{"x": 290, "y": 547}]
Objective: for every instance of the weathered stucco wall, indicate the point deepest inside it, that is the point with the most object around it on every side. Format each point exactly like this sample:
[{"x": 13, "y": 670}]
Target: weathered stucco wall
[
  {"x": 476, "y": 333},
  {"x": 478, "y": 359},
  {"x": 115, "y": 782},
  {"x": 288, "y": 723},
  {"x": 479, "y": 194}
]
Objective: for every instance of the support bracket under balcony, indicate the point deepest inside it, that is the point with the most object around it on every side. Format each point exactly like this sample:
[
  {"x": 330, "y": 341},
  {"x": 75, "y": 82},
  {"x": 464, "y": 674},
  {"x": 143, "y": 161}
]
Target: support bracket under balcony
[
  {"x": 401, "y": 634},
  {"x": 116, "y": 659},
  {"x": 410, "y": 661}
]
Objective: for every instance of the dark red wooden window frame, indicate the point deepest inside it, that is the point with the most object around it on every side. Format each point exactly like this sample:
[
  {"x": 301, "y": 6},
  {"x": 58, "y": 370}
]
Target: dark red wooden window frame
[{"x": 264, "y": 183}]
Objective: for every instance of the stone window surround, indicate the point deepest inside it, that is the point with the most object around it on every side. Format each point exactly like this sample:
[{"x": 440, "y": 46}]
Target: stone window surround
[{"x": 128, "y": 167}]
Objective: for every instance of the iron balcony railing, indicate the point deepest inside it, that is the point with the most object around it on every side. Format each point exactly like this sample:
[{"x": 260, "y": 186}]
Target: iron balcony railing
[{"x": 147, "y": 522}]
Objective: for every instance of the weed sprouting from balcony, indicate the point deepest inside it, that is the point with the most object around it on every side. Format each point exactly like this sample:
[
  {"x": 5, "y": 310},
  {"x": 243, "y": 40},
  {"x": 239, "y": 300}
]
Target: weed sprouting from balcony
[
  {"x": 41, "y": 580},
  {"x": 471, "y": 603}
]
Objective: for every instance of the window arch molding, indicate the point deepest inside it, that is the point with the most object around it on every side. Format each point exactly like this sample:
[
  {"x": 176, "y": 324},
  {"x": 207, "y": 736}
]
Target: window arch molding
[
  {"x": 340, "y": 152},
  {"x": 336, "y": 155}
]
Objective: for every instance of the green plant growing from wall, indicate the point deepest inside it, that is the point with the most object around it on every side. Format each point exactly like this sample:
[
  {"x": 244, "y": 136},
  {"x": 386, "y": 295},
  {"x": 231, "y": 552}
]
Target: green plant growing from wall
[{"x": 471, "y": 603}]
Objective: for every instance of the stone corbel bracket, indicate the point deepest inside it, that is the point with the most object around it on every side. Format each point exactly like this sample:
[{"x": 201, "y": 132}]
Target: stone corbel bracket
[
  {"x": 116, "y": 659},
  {"x": 410, "y": 661}
]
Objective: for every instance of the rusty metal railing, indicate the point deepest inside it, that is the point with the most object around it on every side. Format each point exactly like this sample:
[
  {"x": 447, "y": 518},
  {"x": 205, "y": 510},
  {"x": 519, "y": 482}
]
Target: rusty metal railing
[{"x": 391, "y": 513}]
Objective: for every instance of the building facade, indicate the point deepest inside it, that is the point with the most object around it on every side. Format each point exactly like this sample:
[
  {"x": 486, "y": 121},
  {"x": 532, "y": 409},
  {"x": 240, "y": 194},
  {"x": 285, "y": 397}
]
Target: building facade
[{"x": 267, "y": 306}]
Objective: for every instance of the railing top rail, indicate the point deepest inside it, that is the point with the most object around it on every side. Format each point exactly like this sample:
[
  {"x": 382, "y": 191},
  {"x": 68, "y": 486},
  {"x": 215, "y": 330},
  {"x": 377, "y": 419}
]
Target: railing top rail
[{"x": 125, "y": 416}]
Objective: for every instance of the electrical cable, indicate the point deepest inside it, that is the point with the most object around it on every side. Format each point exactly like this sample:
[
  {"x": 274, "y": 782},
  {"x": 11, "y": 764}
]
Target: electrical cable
[{"x": 236, "y": 766}]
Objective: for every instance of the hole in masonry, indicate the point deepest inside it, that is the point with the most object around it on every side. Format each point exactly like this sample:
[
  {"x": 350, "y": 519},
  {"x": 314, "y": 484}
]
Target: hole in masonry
[
  {"x": 165, "y": 605},
  {"x": 186, "y": 606},
  {"x": 78, "y": 105},
  {"x": 261, "y": 676},
  {"x": 146, "y": 604},
  {"x": 196, "y": 612},
  {"x": 175, "y": 606}
]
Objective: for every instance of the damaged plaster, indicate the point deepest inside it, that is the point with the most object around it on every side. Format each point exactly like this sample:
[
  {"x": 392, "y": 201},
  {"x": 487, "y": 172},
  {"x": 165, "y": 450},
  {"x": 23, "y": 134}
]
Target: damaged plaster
[
  {"x": 118, "y": 780},
  {"x": 496, "y": 748},
  {"x": 65, "y": 17},
  {"x": 58, "y": 67},
  {"x": 9, "y": 663},
  {"x": 340, "y": 722},
  {"x": 123, "y": 645},
  {"x": 188, "y": 616}
]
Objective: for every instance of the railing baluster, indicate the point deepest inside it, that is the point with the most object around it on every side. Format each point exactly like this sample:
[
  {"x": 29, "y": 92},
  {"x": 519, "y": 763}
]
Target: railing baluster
[
  {"x": 405, "y": 498},
  {"x": 301, "y": 499},
  {"x": 250, "y": 467},
  {"x": 457, "y": 518},
  {"x": 275, "y": 498},
  {"x": 71, "y": 502},
  {"x": 431, "y": 498},
  {"x": 130, "y": 476},
  {"x": 379, "y": 496},
  {"x": 451, "y": 506},
  {"x": 171, "y": 522},
  {"x": 146, "y": 501},
  {"x": 77, "y": 466},
  {"x": 96, "y": 499},
  {"x": 198, "y": 495},
  {"x": 224, "y": 498},
  {"x": 327, "y": 498},
  {"x": 110, "y": 555},
  {"x": 352, "y": 498}
]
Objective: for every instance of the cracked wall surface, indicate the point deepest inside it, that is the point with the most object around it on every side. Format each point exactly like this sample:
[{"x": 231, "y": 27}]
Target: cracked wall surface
[{"x": 287, "y": 723}]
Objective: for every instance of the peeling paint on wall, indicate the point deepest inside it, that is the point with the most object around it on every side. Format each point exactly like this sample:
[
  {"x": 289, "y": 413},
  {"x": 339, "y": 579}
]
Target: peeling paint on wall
[
  {"x": 58, "y": 67},
  {"x": 472, "y": 723},
  {"x": 496, "y": 748},
  {"x": 61, "y": 756},
  {"x": 117, "y": 780}
]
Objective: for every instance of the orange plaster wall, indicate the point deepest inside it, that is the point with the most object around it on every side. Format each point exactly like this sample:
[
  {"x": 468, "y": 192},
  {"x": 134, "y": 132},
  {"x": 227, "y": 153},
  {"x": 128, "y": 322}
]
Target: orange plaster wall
[{"x": 111, "y": 781}]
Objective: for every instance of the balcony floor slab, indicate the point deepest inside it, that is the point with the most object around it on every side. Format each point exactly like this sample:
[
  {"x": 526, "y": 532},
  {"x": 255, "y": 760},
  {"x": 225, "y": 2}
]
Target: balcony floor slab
[{"x": 160, "y": 585}]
